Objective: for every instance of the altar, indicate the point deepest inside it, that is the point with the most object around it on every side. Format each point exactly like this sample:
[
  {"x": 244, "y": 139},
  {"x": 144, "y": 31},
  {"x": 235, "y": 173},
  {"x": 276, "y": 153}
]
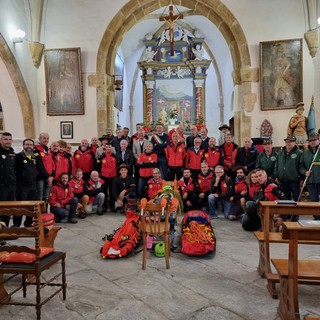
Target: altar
[{"x": 174, "y": 84}]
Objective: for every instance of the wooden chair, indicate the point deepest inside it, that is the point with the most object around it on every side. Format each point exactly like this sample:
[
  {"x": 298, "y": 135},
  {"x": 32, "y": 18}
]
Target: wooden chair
[
  {"x": 155, "y": 222},
  {"x": 35, "y": 265}
]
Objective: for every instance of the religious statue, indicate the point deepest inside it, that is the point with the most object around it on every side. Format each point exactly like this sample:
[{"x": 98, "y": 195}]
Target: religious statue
[
  {"x": 298, "y": 125},
  {"x": 198, "y": 52},
  {"x": 163, "y": 115},
  {"x": 149, "y": 54}
]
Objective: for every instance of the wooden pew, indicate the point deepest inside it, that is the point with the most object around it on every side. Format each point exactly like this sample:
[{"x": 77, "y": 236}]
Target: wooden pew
[
  {"x": 293, "y": 269},
  {"x": 267, "y": 209}
]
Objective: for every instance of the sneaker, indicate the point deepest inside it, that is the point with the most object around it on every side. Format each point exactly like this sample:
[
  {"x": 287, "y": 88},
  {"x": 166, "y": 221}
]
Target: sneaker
[
  {"x": 73, "y": 220},
  {"x": 213, "y": 216},
  {"x": 99, "y": 213}
]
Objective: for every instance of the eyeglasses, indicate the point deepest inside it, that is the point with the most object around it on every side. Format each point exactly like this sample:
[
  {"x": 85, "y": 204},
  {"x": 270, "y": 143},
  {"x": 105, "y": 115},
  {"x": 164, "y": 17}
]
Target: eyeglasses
[{"x": 218, "y": 172}]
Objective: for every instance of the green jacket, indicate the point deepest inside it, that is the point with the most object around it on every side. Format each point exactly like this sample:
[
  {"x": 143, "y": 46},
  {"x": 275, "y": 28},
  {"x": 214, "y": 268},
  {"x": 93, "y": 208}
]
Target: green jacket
[
  {"x": 305, "y": 163},
  {"x": 267, "y": 163},
  {"x": 287, "y": 165}
]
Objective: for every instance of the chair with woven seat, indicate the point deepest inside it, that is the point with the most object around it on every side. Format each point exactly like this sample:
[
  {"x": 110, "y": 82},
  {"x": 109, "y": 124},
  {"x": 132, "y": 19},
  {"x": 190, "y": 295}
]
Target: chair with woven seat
[
  {"x": 30, "y": 262},
  {"x": 155, "y": 222}
]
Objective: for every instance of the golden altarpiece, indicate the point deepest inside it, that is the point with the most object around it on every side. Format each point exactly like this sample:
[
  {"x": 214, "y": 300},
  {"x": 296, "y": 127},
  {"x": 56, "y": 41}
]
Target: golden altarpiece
[{"x": 174, "y": 82}]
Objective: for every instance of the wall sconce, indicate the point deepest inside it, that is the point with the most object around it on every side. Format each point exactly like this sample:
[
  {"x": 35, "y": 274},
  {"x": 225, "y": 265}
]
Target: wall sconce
[
  {"x": 18, "y": 36},
  {"x": 118, "y": 82}
]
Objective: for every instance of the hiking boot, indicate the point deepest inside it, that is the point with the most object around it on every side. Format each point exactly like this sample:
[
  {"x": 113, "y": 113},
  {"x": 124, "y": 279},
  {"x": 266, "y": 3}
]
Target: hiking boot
[
  {"x": 72, "y": 220},
  {"x": 82, "y": 215}
]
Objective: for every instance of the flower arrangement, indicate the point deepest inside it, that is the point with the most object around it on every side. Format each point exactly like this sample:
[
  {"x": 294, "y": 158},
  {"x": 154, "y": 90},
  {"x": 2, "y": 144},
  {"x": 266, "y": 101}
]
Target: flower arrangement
[
  {"x": 173, "y": 113},
  {"x": 200, "y": 123}
]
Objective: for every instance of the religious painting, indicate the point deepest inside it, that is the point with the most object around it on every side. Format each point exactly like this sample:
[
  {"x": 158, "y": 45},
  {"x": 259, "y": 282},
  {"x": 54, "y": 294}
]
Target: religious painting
[
  {"x": 63, "y": 76},
  {"x": 174, "y": 101},
  {"x": 66, "y": 129},
  {"x": 281, "y": 85},
  {"x": 118, "y": 92}
]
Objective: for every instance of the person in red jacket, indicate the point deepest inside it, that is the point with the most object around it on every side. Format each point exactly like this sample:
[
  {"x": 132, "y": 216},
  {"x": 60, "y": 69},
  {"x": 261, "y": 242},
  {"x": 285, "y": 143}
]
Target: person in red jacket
[
  {"x": 228, "y": 150},
  {"x": 63, "y": 203},
  {"x": 221, "y": 190},
  {"x": 175, "y": 154},
  {"x": 77, "y": 186},
  {"x": 154, "y": 184},
  {"x": 94, "y": 144},
  {"x": 62, "y": 160},
  {"x": 270, "y": 191},
  {"x": 187, "y": 190},
  {"x": 238, "y": 199},
  {"x": 108, "y": 164},
  {"x": 94, "y": 187},
  {"x": 146, "y": 162},
  {"x": 214, "y": 155},
  {"x": 203, "y": 186},
  {"x": 194, "y": 157},
  {"x": 44, "y": 185},
  {"x": 84, "y": 158}
]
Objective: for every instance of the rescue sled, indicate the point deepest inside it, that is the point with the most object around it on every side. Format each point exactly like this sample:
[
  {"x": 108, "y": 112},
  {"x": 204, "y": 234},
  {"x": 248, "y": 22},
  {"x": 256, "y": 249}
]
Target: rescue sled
[{"x": 197, "y": 237}]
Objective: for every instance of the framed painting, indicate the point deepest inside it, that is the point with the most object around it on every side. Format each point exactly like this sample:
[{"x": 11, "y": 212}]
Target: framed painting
[
  {"x": 174, "y": 101},
  {"x": 281, "y": 83},
  {"x": 66, "y": 129},
  {"x": 63, "y": 76}
]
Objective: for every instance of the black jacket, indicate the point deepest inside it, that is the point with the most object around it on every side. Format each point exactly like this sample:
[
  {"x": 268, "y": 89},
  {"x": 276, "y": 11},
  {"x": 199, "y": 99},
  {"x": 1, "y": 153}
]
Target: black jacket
[
  {"x": 27, "y": 168},
  {"x": 7, "y": 167}
]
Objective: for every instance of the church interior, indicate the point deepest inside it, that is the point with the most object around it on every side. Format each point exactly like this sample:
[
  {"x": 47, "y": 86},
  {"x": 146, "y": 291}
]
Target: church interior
[
  {"x": 120, "y": 54},
  {"x": 74, "y": 68}
]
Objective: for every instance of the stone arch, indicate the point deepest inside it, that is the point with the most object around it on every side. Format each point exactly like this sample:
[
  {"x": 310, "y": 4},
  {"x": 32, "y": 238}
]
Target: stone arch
[
  {"x": 135, "y": 10},
  {"x": 20, "y": 86}
]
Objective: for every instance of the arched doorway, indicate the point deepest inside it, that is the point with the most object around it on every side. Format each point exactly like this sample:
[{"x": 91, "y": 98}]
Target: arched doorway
[{"x": 216, "y": 12}]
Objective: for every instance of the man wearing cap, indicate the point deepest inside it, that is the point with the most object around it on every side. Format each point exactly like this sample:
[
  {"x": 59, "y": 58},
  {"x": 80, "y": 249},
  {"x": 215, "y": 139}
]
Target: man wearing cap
[
  {"x": 287, "y": 168},
  {"x": 225, "y": 129},
  {"x": 267, "y": 159},
  {"x": 298, "y": 124},
  {"x": 123, "y": 188},
  {"x": 312, "y": 176}
]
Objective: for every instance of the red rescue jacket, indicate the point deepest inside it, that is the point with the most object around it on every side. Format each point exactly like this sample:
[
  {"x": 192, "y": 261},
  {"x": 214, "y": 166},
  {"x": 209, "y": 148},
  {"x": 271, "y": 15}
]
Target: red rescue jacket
[
  {"x": 60, "y": 194},
  {"x": 108, "y": 163},
  {"x": 153, "y": 187},
  {"x": 204, "y": 182},
  {"x": 193, "y": 159},
  {"x": 146, "y": 163},
  {"x": 46, "y": 159},
  {"x": 83, "y": 160},
  {"x": 175, "y": 154}
]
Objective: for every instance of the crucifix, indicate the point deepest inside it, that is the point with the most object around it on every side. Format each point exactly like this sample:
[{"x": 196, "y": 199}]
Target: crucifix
[{"x": 171, "y": 19}]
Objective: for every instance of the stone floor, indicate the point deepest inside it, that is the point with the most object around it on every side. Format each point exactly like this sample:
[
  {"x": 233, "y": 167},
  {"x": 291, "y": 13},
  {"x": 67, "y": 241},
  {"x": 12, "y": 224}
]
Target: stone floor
[{"x": 224, "y": 286}]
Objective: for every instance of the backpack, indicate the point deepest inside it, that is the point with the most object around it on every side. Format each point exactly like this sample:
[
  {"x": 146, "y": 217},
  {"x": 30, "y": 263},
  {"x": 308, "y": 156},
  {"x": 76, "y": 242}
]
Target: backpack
[
  {"x": 197, "y": 237},
  {"x": 124, "y": 239}
]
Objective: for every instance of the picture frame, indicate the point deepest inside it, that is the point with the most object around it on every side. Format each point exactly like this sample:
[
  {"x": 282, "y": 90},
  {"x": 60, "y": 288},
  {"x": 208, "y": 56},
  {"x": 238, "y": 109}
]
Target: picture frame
[
  {"x": 63, "y": 78},
  {"x": 66, "y": 129},
  {"x": 281, "y": 83}
]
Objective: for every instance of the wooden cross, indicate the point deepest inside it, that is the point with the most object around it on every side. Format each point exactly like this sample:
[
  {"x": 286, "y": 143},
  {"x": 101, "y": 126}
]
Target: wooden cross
[{"x": 171, "y": 19}]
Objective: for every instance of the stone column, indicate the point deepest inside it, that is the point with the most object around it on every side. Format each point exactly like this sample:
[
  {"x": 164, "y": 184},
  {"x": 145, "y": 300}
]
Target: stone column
[
  {"x": 150, "y": 115},
  {"x": 199, "y": 85}
]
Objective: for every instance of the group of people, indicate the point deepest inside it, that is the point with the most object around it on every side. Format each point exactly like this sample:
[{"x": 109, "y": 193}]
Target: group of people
[{"x": 123, "y": 169}]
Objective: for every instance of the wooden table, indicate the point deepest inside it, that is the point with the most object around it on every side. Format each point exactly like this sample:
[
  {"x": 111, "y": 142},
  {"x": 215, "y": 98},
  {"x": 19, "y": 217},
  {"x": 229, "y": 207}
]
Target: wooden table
[
  {"x": 293, "y": 269},
  {"x": 266, "y": 210},
  {"x": 29, "y": 205}
]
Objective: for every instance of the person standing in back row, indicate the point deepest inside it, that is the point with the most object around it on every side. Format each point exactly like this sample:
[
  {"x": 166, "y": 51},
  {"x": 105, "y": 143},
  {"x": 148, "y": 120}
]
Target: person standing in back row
[{"x": 7, "y": 171}]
